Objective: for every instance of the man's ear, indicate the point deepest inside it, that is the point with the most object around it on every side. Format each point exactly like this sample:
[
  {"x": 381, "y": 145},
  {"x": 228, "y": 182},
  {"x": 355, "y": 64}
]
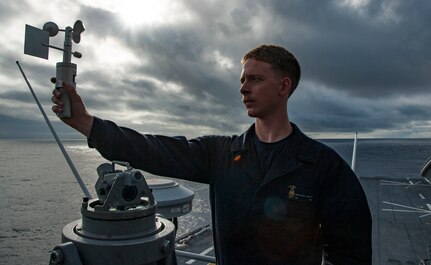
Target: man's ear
[{"x": 286, "y": 86}]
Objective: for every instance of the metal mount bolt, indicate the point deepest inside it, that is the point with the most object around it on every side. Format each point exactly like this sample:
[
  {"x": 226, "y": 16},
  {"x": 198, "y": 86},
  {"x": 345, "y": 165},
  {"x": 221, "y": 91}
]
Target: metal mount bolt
[
  {"x": 85, "y": 202},
  {"x": 57, "y": 256}
]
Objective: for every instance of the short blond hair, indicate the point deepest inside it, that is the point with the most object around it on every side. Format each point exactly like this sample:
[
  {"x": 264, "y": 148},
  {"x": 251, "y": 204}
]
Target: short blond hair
[{"x": 279, "y": 58}]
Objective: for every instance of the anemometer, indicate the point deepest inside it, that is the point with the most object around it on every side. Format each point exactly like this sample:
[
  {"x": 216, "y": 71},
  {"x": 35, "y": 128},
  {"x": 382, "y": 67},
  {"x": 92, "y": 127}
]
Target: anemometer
[{"x": 37, "y": 44}]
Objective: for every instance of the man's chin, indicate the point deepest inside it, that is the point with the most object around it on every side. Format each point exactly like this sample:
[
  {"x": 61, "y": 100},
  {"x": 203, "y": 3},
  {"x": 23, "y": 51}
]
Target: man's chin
[{"x": 251, "y": 114}]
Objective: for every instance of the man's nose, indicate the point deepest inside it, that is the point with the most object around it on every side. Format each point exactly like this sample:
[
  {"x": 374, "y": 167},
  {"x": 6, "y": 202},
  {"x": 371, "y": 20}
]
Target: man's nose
[{"x": 244, "y": 89}]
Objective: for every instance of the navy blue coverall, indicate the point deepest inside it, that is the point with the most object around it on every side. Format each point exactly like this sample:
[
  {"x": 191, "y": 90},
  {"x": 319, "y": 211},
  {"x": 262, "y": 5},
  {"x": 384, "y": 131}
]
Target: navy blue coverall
[{"x": 307, "y": 202}]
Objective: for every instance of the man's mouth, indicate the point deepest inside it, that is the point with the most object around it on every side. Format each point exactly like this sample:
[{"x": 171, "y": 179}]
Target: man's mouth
[{"x": 247, "y": 100}]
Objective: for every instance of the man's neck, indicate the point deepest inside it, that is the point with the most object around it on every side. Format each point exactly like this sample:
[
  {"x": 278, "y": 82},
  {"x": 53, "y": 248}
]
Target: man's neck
[{"x": 273, "y": 130}]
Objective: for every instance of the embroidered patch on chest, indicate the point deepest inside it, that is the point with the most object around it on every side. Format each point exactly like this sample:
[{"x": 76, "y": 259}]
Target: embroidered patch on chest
[
  {"x": 291, "y": 193},
  {"x": 294, "y": 194}
]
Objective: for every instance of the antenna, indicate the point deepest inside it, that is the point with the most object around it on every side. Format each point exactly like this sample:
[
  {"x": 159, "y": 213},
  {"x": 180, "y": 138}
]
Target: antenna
[
  {"x": 65, "y": 154},
  {"x": 37, "y": 44}
]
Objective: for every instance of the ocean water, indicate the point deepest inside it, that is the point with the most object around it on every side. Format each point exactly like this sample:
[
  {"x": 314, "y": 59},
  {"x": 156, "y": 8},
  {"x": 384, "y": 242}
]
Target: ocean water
[
  {"x": 395, "y": 158},
  {"x": 39, "y": 194}
]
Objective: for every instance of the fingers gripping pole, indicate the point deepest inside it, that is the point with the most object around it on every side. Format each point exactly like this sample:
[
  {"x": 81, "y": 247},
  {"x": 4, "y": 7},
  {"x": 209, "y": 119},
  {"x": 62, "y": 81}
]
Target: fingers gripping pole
[{"x": 65, "y": 154}]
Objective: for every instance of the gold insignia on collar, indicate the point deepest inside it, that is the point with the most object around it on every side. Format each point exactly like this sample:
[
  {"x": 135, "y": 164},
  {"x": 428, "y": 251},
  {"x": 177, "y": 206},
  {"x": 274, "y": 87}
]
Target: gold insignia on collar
[{"x": 291, "y": 193}]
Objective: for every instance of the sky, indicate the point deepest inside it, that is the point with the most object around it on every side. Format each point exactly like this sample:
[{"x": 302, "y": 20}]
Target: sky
[{"x": 173, "y": 67}]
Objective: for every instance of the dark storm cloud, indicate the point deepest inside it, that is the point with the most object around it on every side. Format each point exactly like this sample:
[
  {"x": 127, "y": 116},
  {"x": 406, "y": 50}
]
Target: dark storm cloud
[
  {"x": 193, "y": 111},
  {"x": 373, "y": 51},
  {"x": 414, "y": 112},
  {"x": 320, "y": 109},
  {"x": 102, "y": 22},
  {"x": 359, "y": 64},
  {"x": 176, "y": 54},
  {"x": 377, "y": 49},
  {"x": 22, "y": 96}
]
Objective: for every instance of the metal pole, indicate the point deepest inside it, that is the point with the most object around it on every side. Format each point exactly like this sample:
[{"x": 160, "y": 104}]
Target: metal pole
[
  {"x": 195, "y": 256},
  {"x": 354, "y": 151},
  {"x": 66, "y": 156},
  {"x": 67, "y": 54}
]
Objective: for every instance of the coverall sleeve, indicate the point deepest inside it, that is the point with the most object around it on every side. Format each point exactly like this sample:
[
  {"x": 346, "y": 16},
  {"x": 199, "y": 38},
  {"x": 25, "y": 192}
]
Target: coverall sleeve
[
  {"x": 161, "y": 155},
  {"x": 346, "y": 218}
]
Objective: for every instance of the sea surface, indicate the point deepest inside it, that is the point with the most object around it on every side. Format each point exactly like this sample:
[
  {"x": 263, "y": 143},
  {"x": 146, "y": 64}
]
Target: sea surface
[{"x": 39, "y": 194}]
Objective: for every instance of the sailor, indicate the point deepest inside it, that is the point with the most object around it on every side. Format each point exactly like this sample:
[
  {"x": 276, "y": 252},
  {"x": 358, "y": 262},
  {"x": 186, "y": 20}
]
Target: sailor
[{"x": 277, "y": 196}]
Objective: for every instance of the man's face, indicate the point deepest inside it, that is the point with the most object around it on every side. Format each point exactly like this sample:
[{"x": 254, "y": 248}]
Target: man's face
[{"x": 260, "y": 89}]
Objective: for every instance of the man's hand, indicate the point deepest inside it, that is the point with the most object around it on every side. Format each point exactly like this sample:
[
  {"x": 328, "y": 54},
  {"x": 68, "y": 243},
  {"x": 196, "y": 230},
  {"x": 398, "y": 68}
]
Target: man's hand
[{"x": 81, "y": 120}]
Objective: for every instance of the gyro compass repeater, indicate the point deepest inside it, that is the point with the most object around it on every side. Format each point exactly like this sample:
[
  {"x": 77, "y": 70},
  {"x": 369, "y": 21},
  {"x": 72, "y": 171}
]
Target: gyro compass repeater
[{"x": 37, "y": 44}]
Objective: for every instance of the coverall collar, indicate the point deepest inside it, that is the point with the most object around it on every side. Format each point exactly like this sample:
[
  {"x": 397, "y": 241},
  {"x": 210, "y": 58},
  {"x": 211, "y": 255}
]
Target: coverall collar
[{"x": 298, "y": 151}]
